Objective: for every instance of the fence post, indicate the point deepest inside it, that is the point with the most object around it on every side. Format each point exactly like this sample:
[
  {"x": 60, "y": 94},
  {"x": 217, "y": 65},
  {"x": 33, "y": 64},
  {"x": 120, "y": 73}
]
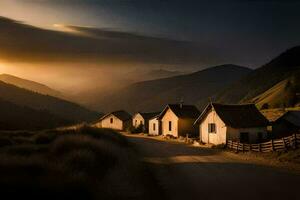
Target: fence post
[
  {"x": 250, "y": 147},
  {"x": 272, "y": 142},
  {"x": 284, "y": 145},
  {"x": 237, "y": 147},
  {"x": 295, "y": 141},
  {"x": 243, "y": 146},
  {"x": 259, "y": 147}
]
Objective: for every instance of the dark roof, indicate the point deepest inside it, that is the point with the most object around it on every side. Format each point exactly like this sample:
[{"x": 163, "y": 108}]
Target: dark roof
[
  {"x": 237, "y": 116},
  {"x": 291, "y": 116},
  {"x": 182, "y": 111},
  {"x": 148, "y": 116},
  {"x": 121, "y": 114}
]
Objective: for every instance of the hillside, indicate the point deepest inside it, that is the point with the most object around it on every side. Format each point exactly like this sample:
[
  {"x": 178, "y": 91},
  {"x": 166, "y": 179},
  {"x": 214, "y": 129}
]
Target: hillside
[
  {"x": 14, "y": 117},
  {"x": 265, "y": 78},
  {"x": 61, "y": 108},
  {"x": 192, "y": 88},
  {"x": 29, "y": 85},
  {"x": 283, "y": 94}
]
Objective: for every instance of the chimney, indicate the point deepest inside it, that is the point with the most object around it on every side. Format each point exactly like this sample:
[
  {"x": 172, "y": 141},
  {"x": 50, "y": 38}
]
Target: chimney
[{"x": 181, "y": 102}]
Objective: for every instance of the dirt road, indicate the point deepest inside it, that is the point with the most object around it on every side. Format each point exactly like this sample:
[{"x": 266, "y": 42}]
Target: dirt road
[{"x": 185, "y": 172}]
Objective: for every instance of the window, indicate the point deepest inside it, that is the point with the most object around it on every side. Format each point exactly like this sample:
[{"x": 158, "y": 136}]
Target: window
[
  {"x": 135, "y": 123},
  {"x": 211, "y": 128},
  {"x": 141, "y": 122},
  {"x": 154, "y": 127},
  {"x": 244, "y": 137},
  {"x": 111, "y": 120},
  {"x": 170, "y": 126}
]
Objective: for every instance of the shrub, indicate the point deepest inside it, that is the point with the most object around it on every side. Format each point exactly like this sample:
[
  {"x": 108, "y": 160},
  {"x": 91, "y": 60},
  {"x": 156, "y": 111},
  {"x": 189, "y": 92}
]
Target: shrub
[
  {"x": 98, "y": 133},
  {"x": 102, "y": 155},
  {"x": 139, "y": 129}
]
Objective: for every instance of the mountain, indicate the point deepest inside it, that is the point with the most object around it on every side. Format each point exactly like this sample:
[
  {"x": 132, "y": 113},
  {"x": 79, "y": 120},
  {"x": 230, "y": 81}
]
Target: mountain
[
  {"x": 29, "y": 85},
  {"x": 55, "y": 106},
  {"x": 14, "y": 117},
  {"x": 272, "y": 76},
  {"x": 140, "y": 75},
  {"x": 193, "y": 88}
]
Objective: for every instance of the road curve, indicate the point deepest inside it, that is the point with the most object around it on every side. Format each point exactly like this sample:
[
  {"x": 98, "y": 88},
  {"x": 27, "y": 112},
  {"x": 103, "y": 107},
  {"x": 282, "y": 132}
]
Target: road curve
[{"x": 185, "y": 172}]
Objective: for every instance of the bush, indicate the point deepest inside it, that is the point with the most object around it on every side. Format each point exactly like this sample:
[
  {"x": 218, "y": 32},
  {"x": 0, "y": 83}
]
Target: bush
[
  {"x": 139, "y": 129},
  {"x": 78, "y": 149}
]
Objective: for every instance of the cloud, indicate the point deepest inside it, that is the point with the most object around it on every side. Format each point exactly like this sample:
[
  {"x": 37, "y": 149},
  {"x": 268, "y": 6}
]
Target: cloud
[{"x": 24, "y": 43}]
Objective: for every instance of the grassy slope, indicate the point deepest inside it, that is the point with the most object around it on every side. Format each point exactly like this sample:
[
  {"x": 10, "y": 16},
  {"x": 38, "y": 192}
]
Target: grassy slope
[
  {"x": 262, "y": 79},
  {"x": 82, "y": 163}
]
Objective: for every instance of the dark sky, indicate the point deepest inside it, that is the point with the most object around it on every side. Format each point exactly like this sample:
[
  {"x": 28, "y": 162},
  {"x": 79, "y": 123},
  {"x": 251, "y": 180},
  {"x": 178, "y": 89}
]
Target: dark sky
[{"x": 245, "y": 32}]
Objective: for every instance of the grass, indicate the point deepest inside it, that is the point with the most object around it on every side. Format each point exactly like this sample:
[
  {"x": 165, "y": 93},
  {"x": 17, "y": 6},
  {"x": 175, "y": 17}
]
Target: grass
[{"x": 81, "y": 163}]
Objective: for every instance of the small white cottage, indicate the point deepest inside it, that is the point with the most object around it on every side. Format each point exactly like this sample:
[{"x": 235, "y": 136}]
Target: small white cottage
[
  {"x": 118, "y": 120},
  {"x": 178, "y": 119},
  {"x": 154, "y": 126},
  {"x": 142, "y": 119},
  {"x": 219, "y": 123}
]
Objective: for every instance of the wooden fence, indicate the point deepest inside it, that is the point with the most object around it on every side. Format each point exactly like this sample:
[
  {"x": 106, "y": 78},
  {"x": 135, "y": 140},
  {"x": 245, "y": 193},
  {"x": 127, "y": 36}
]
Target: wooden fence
[{"x": 283, "y": 144}]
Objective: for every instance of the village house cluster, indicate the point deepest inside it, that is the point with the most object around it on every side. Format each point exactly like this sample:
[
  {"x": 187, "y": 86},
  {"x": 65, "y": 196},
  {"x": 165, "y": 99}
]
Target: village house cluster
[{"x": 216, "y": 124}]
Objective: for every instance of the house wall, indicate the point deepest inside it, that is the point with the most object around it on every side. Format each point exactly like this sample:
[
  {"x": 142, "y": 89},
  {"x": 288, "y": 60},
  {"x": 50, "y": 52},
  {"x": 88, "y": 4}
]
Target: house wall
[
  {"x": 169, "y": 116},
  {"x": 117, "y": 123},
  {"x": 214, "y": 138},
  {"x": 157, "y": 127},
  {"x": 186, "y": 126},
  {"x": 234, "y": 133},
  {"x": 137, "y": 120}
]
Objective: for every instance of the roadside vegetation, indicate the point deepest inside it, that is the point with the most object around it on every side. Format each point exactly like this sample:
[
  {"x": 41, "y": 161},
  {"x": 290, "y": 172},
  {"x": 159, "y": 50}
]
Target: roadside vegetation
[{"x": 79, "y": 163}]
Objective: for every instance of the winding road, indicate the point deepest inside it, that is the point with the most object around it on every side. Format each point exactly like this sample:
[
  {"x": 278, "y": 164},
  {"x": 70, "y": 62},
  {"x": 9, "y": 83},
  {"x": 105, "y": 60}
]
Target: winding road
[{"x": 185, "y": 172}]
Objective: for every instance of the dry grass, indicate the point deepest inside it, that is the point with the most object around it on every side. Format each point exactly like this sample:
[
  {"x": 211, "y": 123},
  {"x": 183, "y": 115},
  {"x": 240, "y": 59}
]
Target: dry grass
[{"x": 68, "y": 164}]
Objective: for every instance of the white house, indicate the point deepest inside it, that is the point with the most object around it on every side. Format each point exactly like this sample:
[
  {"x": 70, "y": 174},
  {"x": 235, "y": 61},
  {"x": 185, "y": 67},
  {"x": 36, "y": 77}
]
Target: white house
[
  {"x": 154, "y": 126},
  {"x": 178, "y": 119},
  {"x": 219, "y": 123},
  {"x": 118, "y": 120},
  {"x": 143, "y": 119}
]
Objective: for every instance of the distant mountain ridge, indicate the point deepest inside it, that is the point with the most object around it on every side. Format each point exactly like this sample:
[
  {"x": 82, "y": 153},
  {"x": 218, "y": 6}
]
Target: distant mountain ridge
[
  {"x": 194, "y": 88},
  {"x": 29, "y": 85},
  {"x": 265, "y": 78}
]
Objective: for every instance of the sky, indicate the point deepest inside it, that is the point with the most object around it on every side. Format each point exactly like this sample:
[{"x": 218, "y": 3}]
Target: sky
[{"x": 119, "y": 34}]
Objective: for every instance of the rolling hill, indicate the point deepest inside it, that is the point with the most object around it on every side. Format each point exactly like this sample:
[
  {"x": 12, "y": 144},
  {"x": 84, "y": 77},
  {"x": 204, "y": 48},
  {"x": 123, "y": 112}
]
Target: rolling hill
[
  {"x": 29, "y": 85},
  {"x": 60, "y": 108},
  {"x": 274, "y": 83},
  {"x": 193, "y": 88},
  {"x": 14, "y": 117}
]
